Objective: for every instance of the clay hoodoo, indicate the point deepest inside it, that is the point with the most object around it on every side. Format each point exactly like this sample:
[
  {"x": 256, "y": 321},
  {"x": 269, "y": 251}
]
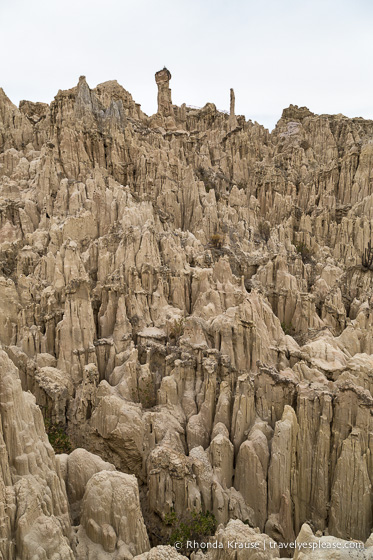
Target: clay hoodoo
[
  {"x": 187, "y": 310},
  {"x": 232, "y": 114},
  {"x": 162, "y": 79}
]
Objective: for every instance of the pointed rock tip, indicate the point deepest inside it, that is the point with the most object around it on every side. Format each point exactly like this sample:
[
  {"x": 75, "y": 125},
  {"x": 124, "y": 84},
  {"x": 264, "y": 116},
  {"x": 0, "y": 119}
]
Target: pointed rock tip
[{"x": 5, "y": 99}]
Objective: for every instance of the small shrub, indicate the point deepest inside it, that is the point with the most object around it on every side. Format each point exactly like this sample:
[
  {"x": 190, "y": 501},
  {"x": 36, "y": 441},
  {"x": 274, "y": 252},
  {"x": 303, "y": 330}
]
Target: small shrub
[
  {"x": 177, "y": 329},
  {"x": 264, "y": 230},
  {"x": 58, "y": 437},
  {"x": 190, "y": 526},
  {"x": 288, "y": 328},
  {"x": 304, "y": 252},
  {"x": 217, "y": 240},
  {"x": 170, "y": 518}
]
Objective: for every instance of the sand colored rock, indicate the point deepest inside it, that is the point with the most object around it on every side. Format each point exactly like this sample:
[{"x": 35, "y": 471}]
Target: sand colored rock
[
  {"x": 161, "y": 553},
  {"x": 329, "y": 548},
  {"x": 111, "y": 516},
  {"x": 233, "y": 539},
  {"x": 35, "y": 513},
  {"x": 185, "y": 295}
]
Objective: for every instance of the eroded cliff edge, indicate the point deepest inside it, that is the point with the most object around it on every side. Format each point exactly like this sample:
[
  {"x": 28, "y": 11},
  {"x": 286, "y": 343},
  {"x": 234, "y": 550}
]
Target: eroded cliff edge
[{"x": 184, "y": 294}]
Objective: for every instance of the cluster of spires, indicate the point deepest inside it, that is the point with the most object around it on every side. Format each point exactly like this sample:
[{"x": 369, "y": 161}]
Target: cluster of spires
[{"x": 165, "y": 109}]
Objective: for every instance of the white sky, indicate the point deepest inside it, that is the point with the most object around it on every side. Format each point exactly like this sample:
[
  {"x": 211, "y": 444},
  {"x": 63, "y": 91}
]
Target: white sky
[{"x": 272, "y": 52}]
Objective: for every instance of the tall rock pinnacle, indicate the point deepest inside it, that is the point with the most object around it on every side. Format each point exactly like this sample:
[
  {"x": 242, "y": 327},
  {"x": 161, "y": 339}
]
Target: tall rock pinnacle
[
  {"x": 232, "y": 115},
  {"x": 232, "y": 102},
  {"x": 163, "y": 78}
]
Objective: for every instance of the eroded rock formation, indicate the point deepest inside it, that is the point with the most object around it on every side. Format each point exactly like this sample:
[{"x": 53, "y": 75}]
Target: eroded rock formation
[{"x": 184, "y": 295}]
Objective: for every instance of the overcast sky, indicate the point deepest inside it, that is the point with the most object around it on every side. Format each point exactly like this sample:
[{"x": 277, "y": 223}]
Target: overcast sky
[{"x": 272, "y": 52}]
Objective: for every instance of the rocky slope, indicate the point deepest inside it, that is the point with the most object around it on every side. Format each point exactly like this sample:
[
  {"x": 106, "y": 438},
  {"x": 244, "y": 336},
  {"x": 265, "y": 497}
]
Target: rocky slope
[{"x": 184, "y": 295}]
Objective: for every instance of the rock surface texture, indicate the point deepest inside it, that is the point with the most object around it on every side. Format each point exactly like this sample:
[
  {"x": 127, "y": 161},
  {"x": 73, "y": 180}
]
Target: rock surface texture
[{"x": 185, "y": 301}]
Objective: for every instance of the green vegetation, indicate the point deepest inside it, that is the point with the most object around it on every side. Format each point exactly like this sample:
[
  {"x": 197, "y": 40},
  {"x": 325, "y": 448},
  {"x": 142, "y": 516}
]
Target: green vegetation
[
  {"x": 190, "y": 526},
  {"x": 288, "y": 328},
  {"x": 304, "y": 252},
  {"x": 58, "y": 437}
]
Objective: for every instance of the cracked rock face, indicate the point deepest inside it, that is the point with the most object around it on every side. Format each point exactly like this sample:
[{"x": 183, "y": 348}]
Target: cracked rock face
[{"x": 188, "y": 299}]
